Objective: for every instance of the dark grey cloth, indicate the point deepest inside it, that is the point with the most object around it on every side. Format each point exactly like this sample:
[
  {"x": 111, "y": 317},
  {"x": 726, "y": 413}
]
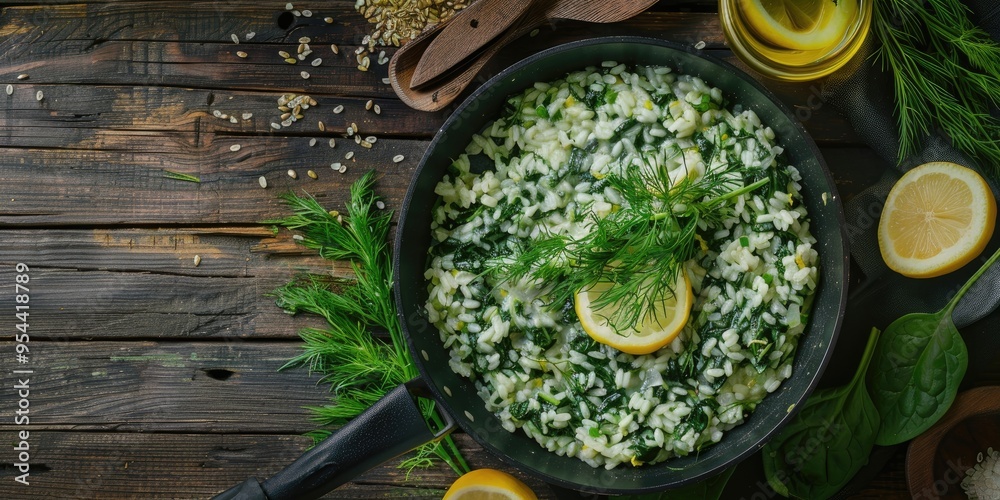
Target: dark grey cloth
[{"x": 863, "y": 92}]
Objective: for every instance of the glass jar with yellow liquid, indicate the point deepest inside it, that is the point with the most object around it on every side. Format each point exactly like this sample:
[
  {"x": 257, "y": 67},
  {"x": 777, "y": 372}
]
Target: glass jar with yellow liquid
[{"x": 795, "y": 40}]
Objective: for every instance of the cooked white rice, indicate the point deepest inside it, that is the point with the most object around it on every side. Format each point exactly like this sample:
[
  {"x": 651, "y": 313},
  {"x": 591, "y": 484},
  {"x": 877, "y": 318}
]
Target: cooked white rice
[{"x": 545, "y": 160}]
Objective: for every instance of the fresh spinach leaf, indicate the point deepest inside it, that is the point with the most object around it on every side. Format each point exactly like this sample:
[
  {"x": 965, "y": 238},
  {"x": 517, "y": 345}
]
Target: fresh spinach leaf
[
  {"x": 828, "y": 442},
  {"x": 919, "y": 363}
]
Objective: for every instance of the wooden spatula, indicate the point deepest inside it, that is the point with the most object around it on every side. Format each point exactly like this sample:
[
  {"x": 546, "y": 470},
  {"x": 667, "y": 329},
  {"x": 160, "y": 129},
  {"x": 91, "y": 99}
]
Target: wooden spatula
[
  {"x": 466, "y": 33},
  {"x": 440, "y": 93}
]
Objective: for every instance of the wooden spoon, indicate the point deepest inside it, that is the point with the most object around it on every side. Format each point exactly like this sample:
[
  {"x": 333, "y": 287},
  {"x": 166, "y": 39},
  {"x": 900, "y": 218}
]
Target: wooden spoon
[
  {"x": 468, "y": 31},
  {"x": 937, "y": 459},
  {"x": 437, "y": 95}
]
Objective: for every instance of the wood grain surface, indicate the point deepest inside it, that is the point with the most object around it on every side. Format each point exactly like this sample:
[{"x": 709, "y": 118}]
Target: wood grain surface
[{"x": 158, "y": 378}]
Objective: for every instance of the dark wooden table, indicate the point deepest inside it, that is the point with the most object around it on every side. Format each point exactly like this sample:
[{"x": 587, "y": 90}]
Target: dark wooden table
[{"x": 156, "y": 377}]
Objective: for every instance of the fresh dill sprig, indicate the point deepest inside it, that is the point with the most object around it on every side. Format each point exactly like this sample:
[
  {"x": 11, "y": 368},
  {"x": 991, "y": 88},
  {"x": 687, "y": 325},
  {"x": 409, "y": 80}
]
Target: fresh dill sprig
[
  {"x": 170, "y": 174},
  {"x": 946, "y": 75},
  {"x": 639, "y": 249},
  {"x": 359, "y": 367}
]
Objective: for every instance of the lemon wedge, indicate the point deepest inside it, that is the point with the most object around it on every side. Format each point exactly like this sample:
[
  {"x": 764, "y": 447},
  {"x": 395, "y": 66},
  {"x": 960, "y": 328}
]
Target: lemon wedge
[
  {"x": 800, "y": 24},
  {"x": 489, "y": 484},
  {"x": 937, "y": 218},
  {"x": 658, "y": 328}
]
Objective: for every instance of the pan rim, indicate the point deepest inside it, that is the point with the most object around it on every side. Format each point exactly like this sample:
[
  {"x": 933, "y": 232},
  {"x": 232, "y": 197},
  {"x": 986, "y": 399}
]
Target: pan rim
[{"x": 840, "y": 280}]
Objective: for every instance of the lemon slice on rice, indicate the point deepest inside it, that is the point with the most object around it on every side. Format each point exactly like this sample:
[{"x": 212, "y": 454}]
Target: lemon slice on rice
[{"x": 658, "y": 328}]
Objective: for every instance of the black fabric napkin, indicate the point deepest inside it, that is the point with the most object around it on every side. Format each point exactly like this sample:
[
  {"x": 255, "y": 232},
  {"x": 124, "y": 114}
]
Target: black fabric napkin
[{"x": 863, "y": 92}]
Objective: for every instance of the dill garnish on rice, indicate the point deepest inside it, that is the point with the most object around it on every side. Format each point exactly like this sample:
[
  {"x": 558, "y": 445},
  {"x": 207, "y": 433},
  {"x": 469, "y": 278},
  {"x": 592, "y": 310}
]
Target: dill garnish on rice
[{"x": 530, "y": 213}]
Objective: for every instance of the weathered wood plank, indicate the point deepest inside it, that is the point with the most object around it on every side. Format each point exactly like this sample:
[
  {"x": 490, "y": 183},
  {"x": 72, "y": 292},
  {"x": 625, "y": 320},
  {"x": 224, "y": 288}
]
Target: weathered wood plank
[
  {"x": 206, "y": 387},
  {"x": 79, "y": 112},
  {"x": 224, "y": 251},
  {"x": 88, "y": 303},
  {"x": 141, "y": 465},
  {"x": 124, "y": 181}
]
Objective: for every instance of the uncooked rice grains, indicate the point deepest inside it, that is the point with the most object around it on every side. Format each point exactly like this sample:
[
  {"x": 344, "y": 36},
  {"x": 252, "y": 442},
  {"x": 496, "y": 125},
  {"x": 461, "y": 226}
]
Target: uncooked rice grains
[{"x": 554, "y": 150}]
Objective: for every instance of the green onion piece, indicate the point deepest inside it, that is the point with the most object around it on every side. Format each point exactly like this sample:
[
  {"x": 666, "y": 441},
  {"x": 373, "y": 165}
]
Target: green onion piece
[
  {"x": 548, "y": 397},
  {"x": 767, "y": 278},
  {"x": 594, "y": 432},
  {"x": 542, "y": 112},
  {"x": 744, "y": 241}
]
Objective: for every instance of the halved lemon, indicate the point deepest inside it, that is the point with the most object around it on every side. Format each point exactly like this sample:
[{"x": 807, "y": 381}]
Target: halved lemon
[
  {"x": 800, "y": 24},
  {"x": 937, "y": 218},
  {"x": 658, "y": 328},
  {"x": 489, "y": 484}
]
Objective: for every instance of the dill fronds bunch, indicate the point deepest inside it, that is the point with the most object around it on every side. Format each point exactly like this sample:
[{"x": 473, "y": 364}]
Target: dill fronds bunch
[
  {"x": 360, "y": 367},
  {"x": 946, "y": 75}
]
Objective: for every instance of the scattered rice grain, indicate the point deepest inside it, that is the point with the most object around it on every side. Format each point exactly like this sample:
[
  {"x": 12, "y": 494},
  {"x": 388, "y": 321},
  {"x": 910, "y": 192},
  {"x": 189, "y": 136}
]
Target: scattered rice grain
[
  {"x": 262, "y": 181},
  {"x": 249, "y": 36},
  {"x": 275, "y": 126},
  {"x": 197, "y": 260},
  {"x": 328, "y": 20},
  {"x": 305, "y": 75},
  {"x": 349, "y": 155},
  {"x": 378, "y": 109},
  {"x": 334, "y": 48},
  {"x": 289, "y": 6},
  {"x": 333, "y": 143},
  {"x": 337, "y": 110},
  {"x": 312, "y": 142},
  {"x": 307, "y": 13},
  {"x": 700, "y": 45},
  {"x": 380, "y": 205},
  {"x": 284, "y": 54},
  {"x": 316, "y": 62},
  {"x": 22, "y": 76},
  {"x": 342, "y": 169},
  {"x": 371, "y": 139},
  {"x": 39, "y": 95},
  {"x": 292, "y": 174},
  {"x": 368, "y": 105},
  {"x": 398, "y": 158},
  {"x": 235, "y": 147},
  {"x": 321, "y": 126},
  {"x": 305, "y": 39},
  {"x": 235, "y": 38},
  {"x": 335, "y": 165},
  {"x": 247, "y": 116},
  {"x": 241, "y": 54},
  {"x": 10, "y": 89},
  {"x": 312, "y": 174}
]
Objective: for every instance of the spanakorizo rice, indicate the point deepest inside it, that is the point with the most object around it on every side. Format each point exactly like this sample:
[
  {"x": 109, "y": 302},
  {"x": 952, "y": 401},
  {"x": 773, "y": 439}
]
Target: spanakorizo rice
[{"x": 542, "y": 169}]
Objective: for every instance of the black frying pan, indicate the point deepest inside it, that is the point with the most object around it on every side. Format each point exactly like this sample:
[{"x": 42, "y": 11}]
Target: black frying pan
[{"x": 394, "y": 425}]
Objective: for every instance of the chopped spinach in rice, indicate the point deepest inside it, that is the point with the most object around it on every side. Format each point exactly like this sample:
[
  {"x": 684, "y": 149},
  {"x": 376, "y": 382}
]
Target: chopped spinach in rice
[{"x": 543, "y": 168}]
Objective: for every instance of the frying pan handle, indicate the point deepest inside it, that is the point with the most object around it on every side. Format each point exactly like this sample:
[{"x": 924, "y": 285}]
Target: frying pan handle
[{"x": 391, "y": 427}]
